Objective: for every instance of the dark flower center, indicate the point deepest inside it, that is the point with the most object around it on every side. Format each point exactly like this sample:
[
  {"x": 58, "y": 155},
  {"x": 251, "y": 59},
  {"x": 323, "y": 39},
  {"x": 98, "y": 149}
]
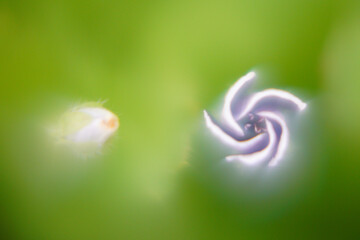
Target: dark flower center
[{"x": 255, "y": 124}]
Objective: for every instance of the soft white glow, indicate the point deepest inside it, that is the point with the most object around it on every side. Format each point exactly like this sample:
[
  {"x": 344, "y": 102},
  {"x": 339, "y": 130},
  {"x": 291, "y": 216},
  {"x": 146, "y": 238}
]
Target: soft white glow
[
  {"x": 227, "y": 113},
  {"x": 103, "y": 124},
  {"x": 284, "y": 138},
  {"x": 229, "y": 140},
  {"x": 257, "y": 157},
  {"x": 96, "y": 112},
  {"x": 257, "y": 97}
]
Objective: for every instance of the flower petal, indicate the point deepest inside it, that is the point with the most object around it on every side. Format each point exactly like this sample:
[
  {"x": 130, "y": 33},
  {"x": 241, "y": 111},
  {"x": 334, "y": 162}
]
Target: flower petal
[
  {"x": 229, "y": 140},
  {"x": 271, "y": 93},
  {"x": 259, "y": 156},
  {"x": 283, "y": 138},
  {"x": 227, "y": 113}
]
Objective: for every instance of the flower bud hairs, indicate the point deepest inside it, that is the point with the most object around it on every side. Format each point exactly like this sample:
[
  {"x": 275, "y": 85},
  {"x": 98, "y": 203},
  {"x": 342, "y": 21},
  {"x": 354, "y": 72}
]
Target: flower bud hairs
[
  {"x": 252, "y": 125},
  {"x": 85, "y": 128}
]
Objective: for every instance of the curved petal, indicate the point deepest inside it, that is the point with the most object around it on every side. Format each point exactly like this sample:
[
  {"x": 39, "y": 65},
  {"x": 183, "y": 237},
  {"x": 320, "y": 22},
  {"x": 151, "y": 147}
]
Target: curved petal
[
  {"x": 259, "y": 156},
  {"x": 229, "y": 140},
  {"x": 283, "y": 138},
  {"x": 276, "y": 93},
  {"x": 227, "y": 113}
]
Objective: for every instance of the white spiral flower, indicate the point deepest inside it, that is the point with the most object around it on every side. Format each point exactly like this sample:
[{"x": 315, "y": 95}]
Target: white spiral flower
[{"x": 252, "y": 124}]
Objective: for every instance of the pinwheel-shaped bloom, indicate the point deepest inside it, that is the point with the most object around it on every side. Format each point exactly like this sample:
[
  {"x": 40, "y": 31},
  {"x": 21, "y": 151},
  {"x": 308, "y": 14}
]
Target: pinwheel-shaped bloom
[{"x": 252, "y": 124}]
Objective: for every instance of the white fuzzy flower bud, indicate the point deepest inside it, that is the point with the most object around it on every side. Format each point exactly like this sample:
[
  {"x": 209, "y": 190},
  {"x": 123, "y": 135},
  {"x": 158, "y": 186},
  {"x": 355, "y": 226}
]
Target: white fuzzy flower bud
[{"x": 86, "y": 128}]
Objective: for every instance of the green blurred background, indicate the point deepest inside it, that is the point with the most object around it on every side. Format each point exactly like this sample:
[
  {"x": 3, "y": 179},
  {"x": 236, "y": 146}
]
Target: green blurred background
[{"x": 159, "y": 64}]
